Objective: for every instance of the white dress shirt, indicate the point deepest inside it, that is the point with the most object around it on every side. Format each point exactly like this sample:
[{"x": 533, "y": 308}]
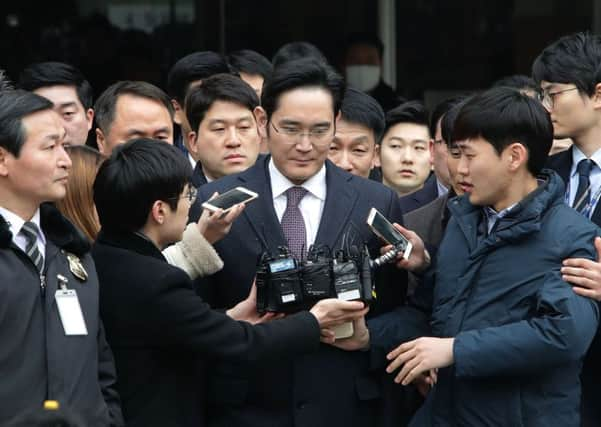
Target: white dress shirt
[
  {"x": 595, "y": 176},
  {"x": 16, "y": 223},
  {"x": 192, "y": 161},
  {"x": 311, "y": 206}
]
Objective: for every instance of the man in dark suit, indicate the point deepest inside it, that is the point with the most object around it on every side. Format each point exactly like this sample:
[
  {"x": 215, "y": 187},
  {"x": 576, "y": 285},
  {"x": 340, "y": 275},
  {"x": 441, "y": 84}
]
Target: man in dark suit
[
  {"x": 404, "y": 156},
  {"x": 328, "y": 388},
  {"x": 157, "y": 326},
  {"x": 568, "y": 73},
  {"x": 224, "y": 136}
]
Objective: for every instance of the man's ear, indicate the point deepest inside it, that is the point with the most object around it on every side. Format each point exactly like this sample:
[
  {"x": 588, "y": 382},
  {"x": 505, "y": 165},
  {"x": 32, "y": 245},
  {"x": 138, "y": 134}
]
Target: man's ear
[
  {"x": 90, "y": 117},
  {"x": 596, "y": 97},
  {"x": 516, "y": 155},
  {"x": 192, "y": 142},
  {"x": 261, "y": 119},
  {"x": 101, "y": 142},
  {"x": 377, "y": 159},
  {"x": 431, "y": 149},
  {"x": 177, "y": 117},
  {"x": 4, "y": 155},
  {"x": 158, "y": 212}
]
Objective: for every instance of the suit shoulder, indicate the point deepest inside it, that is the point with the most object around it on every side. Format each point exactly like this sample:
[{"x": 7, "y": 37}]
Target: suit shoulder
[
  {"x": 559, "y": 159},
  {"x": 427, "y": 211},
  {"x": 371, "y": 187}
]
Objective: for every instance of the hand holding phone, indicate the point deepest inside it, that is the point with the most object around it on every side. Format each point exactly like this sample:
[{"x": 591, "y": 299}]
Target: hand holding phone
[{"x": 387, "y": 232}]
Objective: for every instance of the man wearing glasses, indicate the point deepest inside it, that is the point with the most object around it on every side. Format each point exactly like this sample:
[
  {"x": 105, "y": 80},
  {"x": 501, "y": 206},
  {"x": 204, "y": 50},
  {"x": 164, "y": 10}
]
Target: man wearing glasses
[
  {"x": 304, "y": 199},
  {"x": 569, "y": 74}
]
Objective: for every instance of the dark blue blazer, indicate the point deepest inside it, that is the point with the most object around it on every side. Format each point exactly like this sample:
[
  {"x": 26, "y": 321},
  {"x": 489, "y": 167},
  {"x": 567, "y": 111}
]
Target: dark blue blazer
[
  {"x": 330, "y": 387},
  {"x": 591, "y": 371},
  {"x": 421, "y": 197}
]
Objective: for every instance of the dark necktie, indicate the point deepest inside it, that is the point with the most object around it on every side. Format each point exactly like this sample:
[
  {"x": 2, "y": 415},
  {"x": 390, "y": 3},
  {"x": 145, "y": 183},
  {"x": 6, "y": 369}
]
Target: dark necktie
[
  {"x": 30, "y": 231},
  {"x": 583, "y": 194},
  {"x": 293, "y": 223}
]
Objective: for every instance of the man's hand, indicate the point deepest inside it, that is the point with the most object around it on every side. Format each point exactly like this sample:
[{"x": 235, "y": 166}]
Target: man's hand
[
  {"x": 214, "y": 226},
  {"x": 419, "y": 259},
  {"x": 425, "y": 381},
  {"x": 420, "y": 355},
  {"x": 584, "y": 274},
  {"x": 247, "y": 310},
  {"x": 358, "y": 341},
  {"x": 331, "y": 312}
]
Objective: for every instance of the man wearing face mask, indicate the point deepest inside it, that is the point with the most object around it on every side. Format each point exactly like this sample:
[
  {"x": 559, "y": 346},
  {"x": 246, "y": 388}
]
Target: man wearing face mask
[{"x": 363, "y": 67}]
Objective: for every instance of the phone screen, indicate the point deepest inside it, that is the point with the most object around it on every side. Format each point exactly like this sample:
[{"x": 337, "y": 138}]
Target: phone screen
[
  {"x": 229, "y": 199},
  {"x": 387, "y": 230}
]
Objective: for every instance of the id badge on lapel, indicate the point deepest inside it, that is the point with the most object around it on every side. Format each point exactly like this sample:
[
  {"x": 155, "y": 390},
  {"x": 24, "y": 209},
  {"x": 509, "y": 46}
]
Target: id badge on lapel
[{"x": 69, "y": 309}]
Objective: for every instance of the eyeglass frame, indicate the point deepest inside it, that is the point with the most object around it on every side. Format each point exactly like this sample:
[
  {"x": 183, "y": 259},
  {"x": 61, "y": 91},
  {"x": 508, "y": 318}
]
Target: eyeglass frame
[
  {"x": 190, "y": 194},
  {"x": 310, "y": 134},
  {"x": 544, "y": 95}
]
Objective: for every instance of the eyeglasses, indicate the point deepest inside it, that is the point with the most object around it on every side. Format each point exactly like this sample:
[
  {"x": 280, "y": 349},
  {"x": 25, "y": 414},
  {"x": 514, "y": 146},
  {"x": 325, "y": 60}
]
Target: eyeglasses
[
  {"x": 189, "y": 194},
  {"x": 317, "y": 136},
  {"x": 548, "y": 98}
]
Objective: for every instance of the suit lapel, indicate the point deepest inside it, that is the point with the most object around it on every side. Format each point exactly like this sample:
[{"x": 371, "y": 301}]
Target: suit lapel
[
  {"x": 260, "y": 213},
  {"x": 340, "y": 202},
  {"x": 562, "y": 164}
]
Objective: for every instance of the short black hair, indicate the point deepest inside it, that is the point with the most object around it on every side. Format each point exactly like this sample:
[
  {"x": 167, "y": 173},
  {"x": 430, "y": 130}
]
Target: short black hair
[
  {"x": 107, "y": 101},
  {"x": 438, "y": 112},
  {"x": 298, "y": 74},
  {"x": 448, "y": 119},
  {"x": 137, "y": 174},
  {"x": 297, "y": 50},
  {"x": 14, "y": 106},
  {"x": 249, "y": 62},
  {"x": 519, "y": 82},
  {"x": 220, "y": 87},
  {"x": 502, "y": 116},
  {"x": 571, "y": 59},
  {"x": 360, "y": 108},
  {"x": 369, "y": 39},
  {"x": 192, "y": 67},
  {"x": 44, "y": 74},
  {"x": 408, "y": 112}
]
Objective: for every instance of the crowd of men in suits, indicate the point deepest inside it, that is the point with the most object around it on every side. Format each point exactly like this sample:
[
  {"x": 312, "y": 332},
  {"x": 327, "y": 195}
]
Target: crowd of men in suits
[{"x": 492, "y": 318}]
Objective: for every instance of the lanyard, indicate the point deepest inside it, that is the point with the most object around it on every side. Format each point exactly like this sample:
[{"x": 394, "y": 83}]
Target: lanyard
[{"x": 587, "y": 211}]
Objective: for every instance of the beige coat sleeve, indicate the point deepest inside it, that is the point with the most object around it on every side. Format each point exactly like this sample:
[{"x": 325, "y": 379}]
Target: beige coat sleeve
[{"x": 194, "y": 254}]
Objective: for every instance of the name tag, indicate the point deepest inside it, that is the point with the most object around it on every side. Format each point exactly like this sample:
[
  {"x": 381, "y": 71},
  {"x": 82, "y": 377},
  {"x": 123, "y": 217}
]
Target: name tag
[{"x": 70, "y": 312}]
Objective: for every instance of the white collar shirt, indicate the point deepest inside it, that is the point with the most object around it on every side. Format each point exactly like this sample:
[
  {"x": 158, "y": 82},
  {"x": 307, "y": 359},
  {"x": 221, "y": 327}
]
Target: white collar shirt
[
  {"x": 311, "y": 206},
  {"x": 594, "y": 178},
  {"x": 16, "y": 223}
]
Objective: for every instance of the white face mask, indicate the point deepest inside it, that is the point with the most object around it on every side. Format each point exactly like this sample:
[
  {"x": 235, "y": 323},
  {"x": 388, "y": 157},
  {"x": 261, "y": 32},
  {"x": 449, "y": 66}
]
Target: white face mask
[{"x": 363, "y": 77}]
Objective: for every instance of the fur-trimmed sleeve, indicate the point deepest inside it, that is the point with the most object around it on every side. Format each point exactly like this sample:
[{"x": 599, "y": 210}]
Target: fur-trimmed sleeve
[{"x": 194, "y": 254}]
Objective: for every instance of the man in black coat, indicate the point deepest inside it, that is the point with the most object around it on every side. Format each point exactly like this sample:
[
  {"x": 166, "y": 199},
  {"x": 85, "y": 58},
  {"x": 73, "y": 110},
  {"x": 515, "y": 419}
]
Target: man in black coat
[
  {"x": 157, "y": 326},
  {"x": 45, "y": 354},
  {"x": 329, "y": 387}
]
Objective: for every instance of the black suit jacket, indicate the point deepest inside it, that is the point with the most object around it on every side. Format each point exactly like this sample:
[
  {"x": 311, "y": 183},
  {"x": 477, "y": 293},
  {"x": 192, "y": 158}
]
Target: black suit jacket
[
  {"x": 198, "y": 176},
  {"x": 162, "y": 333},
  {"x": 421, "y": 197},
  {"x": 330, "y": 387},
  {"x": 591, "y": 370}
]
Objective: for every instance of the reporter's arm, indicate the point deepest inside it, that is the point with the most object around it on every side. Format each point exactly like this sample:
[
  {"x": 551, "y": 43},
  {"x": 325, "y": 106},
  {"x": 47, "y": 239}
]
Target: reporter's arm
[{"x": 194, "y": 254}]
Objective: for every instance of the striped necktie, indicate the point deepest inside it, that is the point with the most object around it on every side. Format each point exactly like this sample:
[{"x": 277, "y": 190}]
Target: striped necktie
[{"x": 30, "y": 231}]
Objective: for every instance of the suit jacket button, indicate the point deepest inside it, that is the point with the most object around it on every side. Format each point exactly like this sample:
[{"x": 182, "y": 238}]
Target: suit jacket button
[{"x": 301, "y": 405}]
